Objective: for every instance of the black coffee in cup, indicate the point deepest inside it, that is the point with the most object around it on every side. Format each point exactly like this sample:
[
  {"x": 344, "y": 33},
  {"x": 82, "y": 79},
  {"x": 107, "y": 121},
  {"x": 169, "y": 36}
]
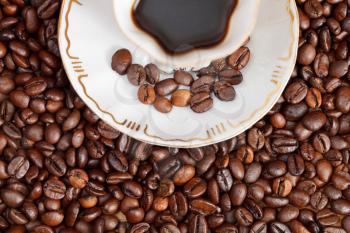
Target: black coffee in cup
[{"x": 182, "y": 25}]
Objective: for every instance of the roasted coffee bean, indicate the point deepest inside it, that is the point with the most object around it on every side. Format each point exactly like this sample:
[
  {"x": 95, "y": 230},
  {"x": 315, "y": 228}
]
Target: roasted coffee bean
[
  {"x": 121, "y": 61},
  {"x": 136, "y": 74},
  {"x": 183, "y": 78},
  {"x": 202, "y": 206},
  {"x": 224, "y": 91},
  {"x": 224, "y": 180},
  {"x": 163, "y": 105},
  {"x": 12, "y": 198},
  {"x": 54, "y": 189},
  {"x": 18, "y": 167},
  {"x": 152, "y": 73},
  {"x": 203, "y": 84},
  {"x": 146, "y": 94},
  {"x": 166, "y": 87},
  {"x": 181, "y": 98},
  {"x": 231, "y": 76},
  {"x": 198, "y": 224},
  {"x": 243, "y": 216},
  {"x": 201, "y": 102},
  {"x": 239, "y": 59},
  {"x": 194, "y": 188},
  {"x": 296, "y": 92}
]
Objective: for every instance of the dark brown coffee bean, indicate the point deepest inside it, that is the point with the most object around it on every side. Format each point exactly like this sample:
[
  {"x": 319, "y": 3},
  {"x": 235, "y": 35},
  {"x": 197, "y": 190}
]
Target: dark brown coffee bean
[
  {"x": 194, "y": 188},
  {"x": 54, "y": 189},
  {"x": 239, "y": 59},
  {"x": 198, "y": 224},
  {"x": 338, "y": 69},
  {"x": 202, "y": 206},
  {"x": 224, "y": 179},
  {"x": 203, "y": 84},
  {"x": 136, "y": 74},
  {"x": 224, "y": 91},
  {"x": 201, "y": 102},
  {"x": 121, "y": 61},
  {"x": 178, "y": 205},
  {"x": 231, "y": 76},
  {"x": 296, "y": 165},
  {"x": 163, "y": 105},
  {"x": 238, "y": 194},
  {"x": 18, "y": 167},
  {"x": 183, "y": 78},
  {"x": 296, "y": 92},
  {"x": 56, "y": 165},
  {"x": 321, "y": 143},
  {"x": 277, "y": 227},
  {"x": 12, "y": 198},
  {"x": 152, "y": 73}
]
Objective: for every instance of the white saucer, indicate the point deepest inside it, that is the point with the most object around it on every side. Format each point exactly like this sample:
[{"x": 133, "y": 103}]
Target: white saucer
[{"x": 88, "y": 37}]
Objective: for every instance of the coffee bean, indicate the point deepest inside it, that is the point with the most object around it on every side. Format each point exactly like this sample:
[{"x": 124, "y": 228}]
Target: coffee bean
[
  {"x": 12, "y": 198},
  {"x": 184, "y": 174},
  {"x": 231, "y": 76},
  {"x": 18, "y": 167},
  {"x": 54, "y": 189},
  {"x": 243, "y": 216},
  {"x": 163, "y": 105},
  {"x": 183, "y": 78},
  {"x": 224, "y": 91},
  {"x": 136, "y": 74},
  {"x": 203, "y": 84},
  {"x": 181, "y": 98},
  {"x": 56, "y": 165},
  {"x": 152, "y": 73},
  {"x": 178, "y": 205},
  {"x": 321, "y": 143},
  {"x": 238, "y": 194},
  {"x": 296, "y": 92},
  {"x": 78, "y": 178},
  {"x": 224, "y": 180},
  {"x": 201, "y": 102},
  {"x": 121, "y": 61},
  {"x": 202, "y": 206},
  {"x": 239, "y": 59},
  {"x": 146, "y": 94},
  {"x": 166, "y": 87},
  {"x": 306, "y": 55},
  {"x": 194, "y": 188},
  {"x": 198, "y": 224}
]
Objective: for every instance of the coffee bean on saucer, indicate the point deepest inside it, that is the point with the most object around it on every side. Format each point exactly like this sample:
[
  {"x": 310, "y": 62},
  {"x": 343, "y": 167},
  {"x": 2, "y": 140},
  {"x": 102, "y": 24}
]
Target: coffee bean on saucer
[
  {"x": 232, "y": 76},
  {"x": 224, "y": 91},
  {"x": 152, "y": 73},
  {"x": 181, "y": 98},
  {"x": 163, "y": 105},
  {"x": 136, "y": 74},
  {"x": 146, "y": 94},
  {"x": 239, "y": 59},
  {"x": 121, "y": 61},
  {"x": 203, "y": 84},
  {"x": 183, "y": 78},
  {"x": 166, "y": 87},
  {"x": 201, "y": 102}
]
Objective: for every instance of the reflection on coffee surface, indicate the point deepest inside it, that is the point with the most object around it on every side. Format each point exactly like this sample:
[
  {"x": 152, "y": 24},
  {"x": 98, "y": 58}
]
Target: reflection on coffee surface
[{"x": 182, "y": 25}]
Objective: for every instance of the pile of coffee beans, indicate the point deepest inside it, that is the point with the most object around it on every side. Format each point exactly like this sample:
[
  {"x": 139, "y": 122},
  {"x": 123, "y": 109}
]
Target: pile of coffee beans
[
  {"x": 63, "y": 170},
  {"x": 218, "y": 78}
]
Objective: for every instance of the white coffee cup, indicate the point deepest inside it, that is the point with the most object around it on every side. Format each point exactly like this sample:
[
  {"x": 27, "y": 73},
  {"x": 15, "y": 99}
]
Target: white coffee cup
[{"x": 242, "y": 24}]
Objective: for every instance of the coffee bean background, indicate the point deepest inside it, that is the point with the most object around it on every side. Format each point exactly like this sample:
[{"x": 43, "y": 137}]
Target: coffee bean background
[{"x": 63, "y": 170}]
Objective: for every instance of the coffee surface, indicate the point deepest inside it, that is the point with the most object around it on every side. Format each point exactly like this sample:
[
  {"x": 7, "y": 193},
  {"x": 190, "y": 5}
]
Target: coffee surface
[{"x": 182, "y": 25}]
